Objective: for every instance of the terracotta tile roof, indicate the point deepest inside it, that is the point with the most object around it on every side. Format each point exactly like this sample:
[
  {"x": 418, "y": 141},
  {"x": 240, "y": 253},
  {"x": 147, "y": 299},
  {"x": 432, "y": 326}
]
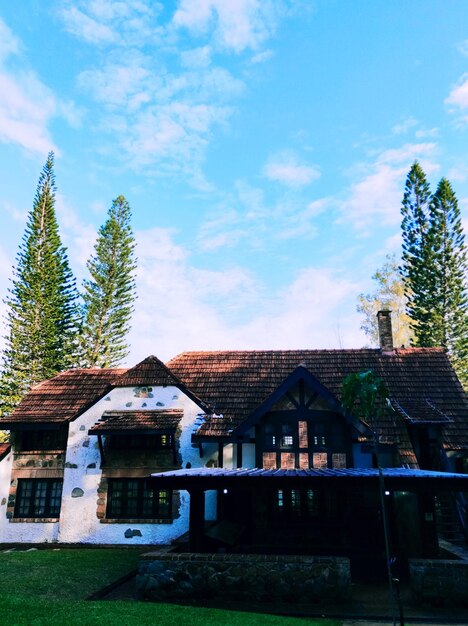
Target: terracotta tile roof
[
  {"x": 4, "y": 450},
  {"x": 164, "y": 420},
  {"x": 63, "y": 397},
  {"x": 235, "y": 383},
  {"x": 150, "y": 371}
]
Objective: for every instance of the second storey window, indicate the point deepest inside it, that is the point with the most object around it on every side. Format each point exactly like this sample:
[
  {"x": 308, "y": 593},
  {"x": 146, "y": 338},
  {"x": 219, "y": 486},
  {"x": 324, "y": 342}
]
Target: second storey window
[
  {"x": 135, "y": 499},
  {"x": 38, "y": 498}
]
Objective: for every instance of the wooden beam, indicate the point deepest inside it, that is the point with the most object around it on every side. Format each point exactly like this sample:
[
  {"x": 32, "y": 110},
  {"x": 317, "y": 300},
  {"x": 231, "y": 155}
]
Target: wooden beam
[
  {"x": 101, "y": 450},
  {"x": 220, "y": 454},
  {"x": 239, "y": 454}
]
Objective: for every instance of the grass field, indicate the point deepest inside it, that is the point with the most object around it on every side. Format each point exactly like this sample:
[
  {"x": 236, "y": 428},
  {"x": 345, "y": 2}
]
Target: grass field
[{"x": 51, "y": 587}]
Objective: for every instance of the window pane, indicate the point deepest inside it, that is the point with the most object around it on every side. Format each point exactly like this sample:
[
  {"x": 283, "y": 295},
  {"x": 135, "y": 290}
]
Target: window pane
[
  {"x": 38, "y": 498},
  {"x": 312, "y": 503},
  {"x": 269, "y": 460},
  {"x": 39, "y": 506},
  {"x": 339, "y": 460},
  {"x": 288, "y": 460},
  {"x": 132, "y": 498},
  {"x": 304, "y": 460},
  {"x": 55, "y": 498},
  {"x": 24, "y": 496},
  {"x": 164, "y": 503},
  {"x": 295, "y": 501},
  {"x": 320, "y": 460}
]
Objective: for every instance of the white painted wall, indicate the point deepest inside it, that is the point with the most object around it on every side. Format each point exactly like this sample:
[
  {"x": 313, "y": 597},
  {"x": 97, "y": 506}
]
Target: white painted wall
[
  {"x": 78, "y": 521},
  {"x": 83, "y": 450}
]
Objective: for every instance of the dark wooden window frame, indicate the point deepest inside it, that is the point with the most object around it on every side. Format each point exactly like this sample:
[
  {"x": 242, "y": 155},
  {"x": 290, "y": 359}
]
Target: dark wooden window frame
[
  {"x": 31, "y": 503},
  {"x": 121, "y": 507}
]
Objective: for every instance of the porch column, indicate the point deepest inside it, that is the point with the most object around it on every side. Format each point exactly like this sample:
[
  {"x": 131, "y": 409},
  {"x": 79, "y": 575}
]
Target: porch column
[
  {"x": 430, "y": 544},
  {"x": 197, "y": 520}
]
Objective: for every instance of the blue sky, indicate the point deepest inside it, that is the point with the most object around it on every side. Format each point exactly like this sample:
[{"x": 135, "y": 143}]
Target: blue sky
[{"x": 262, "y": 144}]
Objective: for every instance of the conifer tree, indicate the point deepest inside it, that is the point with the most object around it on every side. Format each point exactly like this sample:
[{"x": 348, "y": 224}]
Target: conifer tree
[
  {"x": 42, "y": 311},
  {"x": 110, "y": 292},
  {"x": 448, "y": 325},
  {"x": 416, "y": 253}
]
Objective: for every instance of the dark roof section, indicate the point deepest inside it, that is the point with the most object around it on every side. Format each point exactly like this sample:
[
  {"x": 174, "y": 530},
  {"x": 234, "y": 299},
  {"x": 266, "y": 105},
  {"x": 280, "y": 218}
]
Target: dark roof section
[
  {"x": 63, "y": 397},
  {"x": 236, "y": 383},
  {"x": 394, "y": 478},
  {"x": 150, "y": 371},
  {"x": 164, "y": 421},
  {"x": 4, "y": 450}
]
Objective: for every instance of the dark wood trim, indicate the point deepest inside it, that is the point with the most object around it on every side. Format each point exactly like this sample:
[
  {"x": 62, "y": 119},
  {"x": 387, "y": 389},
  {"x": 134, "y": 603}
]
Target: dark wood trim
[
  {"x": 197, "y": 520},
  {"x": 220, "y": 454},
  {"x": 101, "y": 451},
  {"x": 301, "y": 373},
  {"x": 239, "y": 454}
]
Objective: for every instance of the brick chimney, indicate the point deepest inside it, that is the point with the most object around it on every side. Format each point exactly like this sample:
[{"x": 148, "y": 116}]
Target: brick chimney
[{"x": 384, "y": 322}]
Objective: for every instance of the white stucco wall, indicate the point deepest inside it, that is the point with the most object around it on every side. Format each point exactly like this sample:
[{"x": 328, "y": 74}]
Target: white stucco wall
[
  {"x": 83, "y": 451},
  {"x": 78, "y": 521}
]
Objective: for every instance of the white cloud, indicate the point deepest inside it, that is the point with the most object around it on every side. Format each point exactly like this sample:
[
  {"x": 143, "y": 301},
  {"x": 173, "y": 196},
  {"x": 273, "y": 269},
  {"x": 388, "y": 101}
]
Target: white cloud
[
  {"x": 425, "y": 133},
  {"x": 27, "y": 105},
  {"x": 462, "y": 47},
  {"x": 236, "y": 25},
  {"x": 458, "y": 97},
  {"x": 377, "y": 195},
  {"x": 180, "y": 307},
  {"x": 77, "y": 236},
  {"x": 196, "y": 57},
  {"x": 285, "y": 168},
  {"x": 405, "y": 126},
  {"x": 26, "y": 108},
  {"x": 261, "y": 57},
  {"x": 81, "y": 25},
  {"x": 9, "y": 43}
]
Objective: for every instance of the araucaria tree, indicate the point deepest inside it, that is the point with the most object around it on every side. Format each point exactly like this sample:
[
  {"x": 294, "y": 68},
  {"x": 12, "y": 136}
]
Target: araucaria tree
[
  {"x": 415, "y": 262},
  {"x": 446, "y": 241},
  {"x": 110, "y": 293},
  {"x": 434, "y": 268},
  {"x": 42, "y": 310}
]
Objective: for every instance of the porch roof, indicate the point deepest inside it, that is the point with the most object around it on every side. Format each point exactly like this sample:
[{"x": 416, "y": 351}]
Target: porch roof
[
  {"x": 397, "y": 478},
  {"x": 160, "y": 421}
]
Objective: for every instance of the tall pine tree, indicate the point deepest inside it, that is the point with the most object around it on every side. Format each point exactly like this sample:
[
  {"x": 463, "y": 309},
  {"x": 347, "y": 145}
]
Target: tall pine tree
[
  {"x": 110, "y": 293},
  {"x": 434, "y": 268},
  {"x": 448, "y": 271},
  {"x": 415, "y": 261},
  {"x": 42, "y": 311}
]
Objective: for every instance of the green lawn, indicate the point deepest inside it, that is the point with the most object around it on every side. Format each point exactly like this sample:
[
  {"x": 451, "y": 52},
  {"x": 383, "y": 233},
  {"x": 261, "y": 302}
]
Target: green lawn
[{"x": 50, "y": 587}]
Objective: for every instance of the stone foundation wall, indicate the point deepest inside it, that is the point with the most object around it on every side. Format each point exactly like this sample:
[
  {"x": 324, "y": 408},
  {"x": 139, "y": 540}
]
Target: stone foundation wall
[
  {"x": 439, "y": 582},
  {"x": 260, "y": 578}
]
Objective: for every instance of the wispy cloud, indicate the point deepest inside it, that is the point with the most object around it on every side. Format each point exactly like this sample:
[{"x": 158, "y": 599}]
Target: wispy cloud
[
  {"x": 458, "y": 96},
  {"x": 286, "y": 168},
  {"x": 27, "y": 105},
  {"x": 235, "y": 25},
  {"x": 405, "y": 126},
  {"x": 376, "y": 195},
  {"x": 161, "y": 100},
  {"x": 181, "y": 307}
]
